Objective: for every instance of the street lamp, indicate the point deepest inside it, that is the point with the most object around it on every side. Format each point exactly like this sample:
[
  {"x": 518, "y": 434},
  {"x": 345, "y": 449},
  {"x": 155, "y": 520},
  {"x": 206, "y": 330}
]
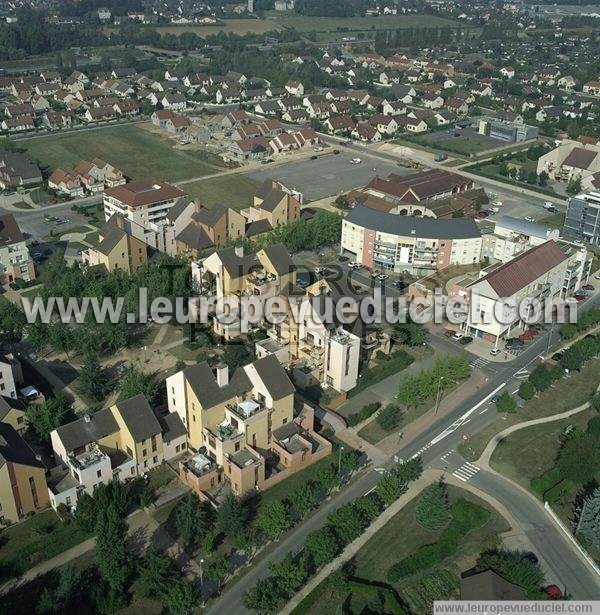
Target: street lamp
[
  {"x": 340, "y": 460},
  {"x": 201, "y": 582},
  {"x": 439, "y": 390}
]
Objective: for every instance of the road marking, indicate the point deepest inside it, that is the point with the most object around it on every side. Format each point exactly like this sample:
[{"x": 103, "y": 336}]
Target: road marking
[
  {"x": 466, "y": 472},
  {"x": 484, "y": 410},
  {"x": 465, "y": 416},
  {"x": 515, "y": 391}
]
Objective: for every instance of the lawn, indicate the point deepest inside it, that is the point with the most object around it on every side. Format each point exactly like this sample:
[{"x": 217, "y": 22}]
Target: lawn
[
  {"x": 235, "y": 26},
  {"x": 137, "y": 152},
  {"x": 400, "y": 537},
  {"x": 22, "y": 205},
  {"x": 463, "y": 145},
  {"x": 234, "y": 190},
  {"x": 530, "y": 452},
  {"x": 34, "y": 540},
  {"x": 555, "y": 220},
  {"x": 373, "y": 433},
  {"x": 564, "y": 395}
]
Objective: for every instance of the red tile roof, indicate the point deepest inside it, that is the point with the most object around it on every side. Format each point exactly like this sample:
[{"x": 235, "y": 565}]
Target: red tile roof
[
  {"x": 144, "y": 192},
  {"x": 515, "y": 275}
]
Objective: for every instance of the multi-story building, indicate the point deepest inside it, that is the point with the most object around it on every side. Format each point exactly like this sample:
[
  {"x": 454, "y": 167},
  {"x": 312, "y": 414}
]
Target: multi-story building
[
  {"x": 545, "y": 272},
  {"x": 11, "y": 375},
  {"x": 511, "y": 236},
  {"x": 249, "y": 432},
  {"x": 570, "y": 160},
  {"x": 23, "y": 487},
  {"x": 274, "y": 203},
  {"x": 144, "y": 202},
  {"x": 582, "y": 221},
  {"x": 17, "y": 170},
  {"x": 117, "y": 248},
  {"x": 15, "y": 261},
  {"x": 118, "y": 443},
  {"x": 409, "y": 244}
]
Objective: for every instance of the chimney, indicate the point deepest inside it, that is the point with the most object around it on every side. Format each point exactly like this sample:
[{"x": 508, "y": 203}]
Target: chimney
[
  {"x": 197, "y": 205},
  {"x": 239, "y": 251},
  {"x": 120, "y": 222},
  {"x": 222, "y": 373}
]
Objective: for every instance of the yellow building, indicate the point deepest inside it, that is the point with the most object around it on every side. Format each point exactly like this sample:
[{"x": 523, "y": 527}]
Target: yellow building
[
  {"x": 23, "y": 487},
  {"x": 273, "y": 203},
  {"x": 116, "y": 248},
  {"x": 13, "y": 413}
]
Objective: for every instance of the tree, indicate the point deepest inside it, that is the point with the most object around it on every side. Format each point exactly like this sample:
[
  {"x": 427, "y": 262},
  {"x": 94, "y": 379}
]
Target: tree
[
  {"x": 346, "y": 523},
  {"x": 368, "y": 507},
  {"x": 506, "y": 403},
  {"x": 216, "y": 569},
  {"x": 515, "y": 568},
  {"x": 541, "y": 378},
  {"x": 49, "y": 415},
  {"x": 410, "y": 333},
  {"x": 264, "y": 598},
  {"x": 92, "y": 380},
  {"x": 60, "y": 599},
  {"x": 389, "y": 417},
  {"x": 543, "y": 178},
  {"x": 231, "y": 517},
  {"x": 12, "y": 323},
  {"x": 433, "y": 510},
  {"x": 192, "y": 520},
  {"x": 158, "y": 571},
  {"x": 589, "y": 518},
  {"x": 273, "y": 519},
  {"x": 302, "y": 498},
  {"x": 526, "y": 390},
  {"x": 289, "y": 573},
  {"x": 574, "y": 186},
  {"x": 111, "y": 554},
  {"x": 349, "y": 461},
  {"x": 61, "y": 337},
  {"x": 236, "y": 355},
  {"x": 322, "y": 546},
  {"x": 593, "y": 426},
  {"x": 135, "y": 382},
  {"x": 85, "y": 513},
  {"x": 579, "y": 459},
  {"x": 326, "y": 478},
  {"x": 181, "y": 598}
]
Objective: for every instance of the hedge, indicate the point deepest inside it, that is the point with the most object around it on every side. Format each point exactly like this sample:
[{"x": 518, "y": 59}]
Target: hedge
[
  {"x": 363, "y": 414},
  {"x": 466, "y": 516},
  {"x": 374, "y": 591},
  {"x": 553, "y": 494},
  {"x": 546, "y": 481}
]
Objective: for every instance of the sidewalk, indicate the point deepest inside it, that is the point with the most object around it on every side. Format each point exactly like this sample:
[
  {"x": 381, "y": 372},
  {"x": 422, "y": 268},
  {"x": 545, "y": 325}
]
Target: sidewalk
[{"x": 414, "y": 489}]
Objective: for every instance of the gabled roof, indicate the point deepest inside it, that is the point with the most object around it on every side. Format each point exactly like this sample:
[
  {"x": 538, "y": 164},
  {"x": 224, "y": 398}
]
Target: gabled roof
[
  {"x": 280, "y": 258},
  {"x": 274, "y": 377},
  {"x": 139, "y": 418},
  {"x": 511, "y": 277},
  {"x": 84, "y": 431},
  {"x": 144, "y": 192},
  {"x": 580, "y": 158},
  {"x": 13, "y": 449},
  {"x": 10, "y": 233},
  {"x": 7, "y": 404}
]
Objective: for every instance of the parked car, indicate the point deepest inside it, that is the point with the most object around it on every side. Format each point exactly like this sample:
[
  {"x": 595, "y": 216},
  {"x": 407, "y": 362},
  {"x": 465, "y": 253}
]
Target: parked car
[
  {"x": 588, "y": 287},
  {"x": 530, "y": 218},
  {"x": 355, "y": 161},
  {"x": 495, "y": 351},
  {"x": 318, "y": 148},
  {"x": 313, "y": 157},
  {"x": 342, "y": 258},
  {"x": 465, "y": 340},
  {"x": 336, "y": 151},
  {"x": 557, "y": 356},
  {"x": 514, "y": 342},
  {"x": 579, "y": 297},
  {"x": 382, "y": 277},
  {"x": 457, "y": 336}
]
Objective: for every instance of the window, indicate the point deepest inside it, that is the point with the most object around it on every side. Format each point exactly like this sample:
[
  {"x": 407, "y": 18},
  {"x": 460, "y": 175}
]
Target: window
[
  {"x": 155, "y": 459},
  {"x": 99, "y": 473},
  {"x": 153, "y": 444},
  {"x": 33, "y": 492},
  {"x": 132, "y": 470},
  {"x": 20, "y": 420},
  {"x": 129, "y": 452},
  {"x": 145, "y": 464},
  {"x": 144, "y": 452}
]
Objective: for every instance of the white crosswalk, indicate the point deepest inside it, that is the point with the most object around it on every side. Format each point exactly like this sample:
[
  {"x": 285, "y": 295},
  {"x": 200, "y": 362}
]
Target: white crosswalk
[
  {"x": 480, "y": 363},
  {"x": 422, "y": 450},
  {"x": 466, "y": 471}
]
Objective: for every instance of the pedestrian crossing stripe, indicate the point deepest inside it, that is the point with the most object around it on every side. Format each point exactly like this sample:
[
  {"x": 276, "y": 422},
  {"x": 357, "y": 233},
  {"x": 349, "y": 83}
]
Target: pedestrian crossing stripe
[
  {"x": 466, "y": 471},
  {"x": 421, "y": 450}
]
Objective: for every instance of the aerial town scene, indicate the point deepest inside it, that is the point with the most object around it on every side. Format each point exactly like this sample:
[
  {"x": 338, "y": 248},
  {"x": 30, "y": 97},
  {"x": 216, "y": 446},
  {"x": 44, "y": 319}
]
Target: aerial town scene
[{"x": 299, "y": 307}]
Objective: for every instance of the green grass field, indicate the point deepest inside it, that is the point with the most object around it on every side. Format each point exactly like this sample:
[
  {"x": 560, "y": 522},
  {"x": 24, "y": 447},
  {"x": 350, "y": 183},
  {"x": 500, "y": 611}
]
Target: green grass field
[
  {"x": 235, "y": 190},
  {"x": 564, "y": 395},
  {"x": 137, "y": 152}
]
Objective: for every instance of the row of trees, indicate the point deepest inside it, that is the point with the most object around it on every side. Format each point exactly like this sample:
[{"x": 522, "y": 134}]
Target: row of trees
[
  {"x": 446, "y": 371},
  {"x": 321, "y": 546}
]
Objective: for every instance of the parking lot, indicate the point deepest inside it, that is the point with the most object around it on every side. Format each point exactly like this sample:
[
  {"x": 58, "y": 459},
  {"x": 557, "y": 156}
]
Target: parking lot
[{"x": 329, "y": 174}]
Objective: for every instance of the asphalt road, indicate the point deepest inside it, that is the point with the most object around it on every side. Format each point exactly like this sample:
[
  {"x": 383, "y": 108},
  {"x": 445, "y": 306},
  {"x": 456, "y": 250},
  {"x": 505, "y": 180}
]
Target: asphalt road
[{"x": 440, "y": 439}]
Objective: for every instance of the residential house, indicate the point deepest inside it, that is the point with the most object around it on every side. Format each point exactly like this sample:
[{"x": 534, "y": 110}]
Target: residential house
[
  {"x": 385, "y": 124},
  {"x": 20, "y": 123},
  {"x": 295, "y": 88},
  {"x": 66, "y": 182},
  {"x": 432, "y": 101},
  {"x": 366, "y": 132},
  {"x": 11, "y": 376},
  {"x": 275, "y": 203},
  {"x": 16, "y": 169},
  {"x": 23, "y": 488},
  {"x": 174, "y": 102},
  {"x": 337, "y": 124}
]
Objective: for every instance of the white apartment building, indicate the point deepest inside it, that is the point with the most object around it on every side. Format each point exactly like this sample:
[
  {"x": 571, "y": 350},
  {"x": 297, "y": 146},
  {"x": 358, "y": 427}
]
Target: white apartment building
[
  {"x": 512, "y": 236},
  {"x": 381, "y": 240},
  {"x": 545, "y": 272},
  {"x": 146, "y": 202},
  {"x": 15, "y": 261}
]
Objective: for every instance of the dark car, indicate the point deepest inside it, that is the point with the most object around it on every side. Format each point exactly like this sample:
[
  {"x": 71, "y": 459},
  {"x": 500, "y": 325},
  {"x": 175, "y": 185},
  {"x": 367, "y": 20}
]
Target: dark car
[
  {"x": 514, "y": 342},
  {"x": 588, "y": 287},
  {"x": 463, "y": 341},
  {"x": 342, "y": 258},
  {"x": 336, "y": 151},
  {"x": 313, "y": 157},
  {"x": 14, "y": 286},
  {"x": 557, "y": 356}
]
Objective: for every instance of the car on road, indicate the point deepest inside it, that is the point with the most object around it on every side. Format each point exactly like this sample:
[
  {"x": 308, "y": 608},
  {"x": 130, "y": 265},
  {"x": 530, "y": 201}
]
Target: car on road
[
  {"x": 318, "y": 149},
  {"x": 347, "y": 143},
  {"x": 514, "y": 342},
  {"x": 336, "y": 151},
  {"x": 463, "y": 341},
  {"x": 493, "y": 209},
  {"x": 530, "y": 218},
  {"x": 557, "y": 356},
  {"x": 495, "y": 351},
  {"x": 355, "y": 265},
  {"x": 382, "y": 277},
  {"x": 355, "y": 161},
  {"x": 375, "y": 274},
  {"x": 481, "y": 214},
  {"x": 496, "y": 398},
  {"x": 457, "y": 336},
  {"x": 14, "y": 286},
  {"x": 342, "y": 258},
  {"x": 313, "y": 157},
  {"x": 588, "y": 287}
]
